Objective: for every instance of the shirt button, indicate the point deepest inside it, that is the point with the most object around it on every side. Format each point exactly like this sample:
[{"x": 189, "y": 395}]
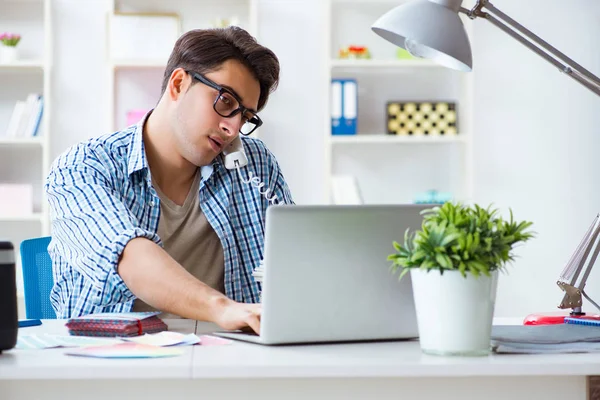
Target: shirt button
[{"x": 151, "y": 204}]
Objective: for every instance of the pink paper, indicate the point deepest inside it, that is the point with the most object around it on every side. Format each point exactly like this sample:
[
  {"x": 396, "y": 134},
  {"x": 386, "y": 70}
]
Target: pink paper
[
  {"x": 125, "y": 350},
  {"x": 207, "y": 340}
]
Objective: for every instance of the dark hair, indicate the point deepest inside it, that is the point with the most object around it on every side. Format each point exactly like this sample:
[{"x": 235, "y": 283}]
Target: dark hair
[{"x": 204, "y": 50}]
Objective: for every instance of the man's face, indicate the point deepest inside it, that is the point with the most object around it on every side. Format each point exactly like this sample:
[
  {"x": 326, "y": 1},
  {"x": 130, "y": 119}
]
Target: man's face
[{"x": 200, "y": 132}]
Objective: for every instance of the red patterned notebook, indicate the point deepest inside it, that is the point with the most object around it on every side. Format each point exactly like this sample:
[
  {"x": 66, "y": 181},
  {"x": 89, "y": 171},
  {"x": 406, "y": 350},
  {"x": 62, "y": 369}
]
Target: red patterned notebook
[{"x": 116, "y": 324}]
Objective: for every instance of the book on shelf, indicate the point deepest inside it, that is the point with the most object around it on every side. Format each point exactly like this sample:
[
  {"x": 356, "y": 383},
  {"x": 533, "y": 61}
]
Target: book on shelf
[
  {"x": 26, "y": 117},
  {"x": 345, "y": 190}
]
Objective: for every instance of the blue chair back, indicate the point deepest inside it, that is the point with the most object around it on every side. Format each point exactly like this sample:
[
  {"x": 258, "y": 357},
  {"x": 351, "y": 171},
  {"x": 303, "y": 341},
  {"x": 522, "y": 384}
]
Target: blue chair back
[{"x": 37, "y": 278}]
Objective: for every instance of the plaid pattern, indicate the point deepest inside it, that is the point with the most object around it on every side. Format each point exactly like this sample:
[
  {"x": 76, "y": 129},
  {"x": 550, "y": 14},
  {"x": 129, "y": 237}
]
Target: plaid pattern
[{"x": 101, "y": 196}]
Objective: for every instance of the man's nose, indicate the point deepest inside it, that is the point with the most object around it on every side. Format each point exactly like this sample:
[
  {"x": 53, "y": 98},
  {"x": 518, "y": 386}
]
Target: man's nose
[{"x": 231, "y": 126}]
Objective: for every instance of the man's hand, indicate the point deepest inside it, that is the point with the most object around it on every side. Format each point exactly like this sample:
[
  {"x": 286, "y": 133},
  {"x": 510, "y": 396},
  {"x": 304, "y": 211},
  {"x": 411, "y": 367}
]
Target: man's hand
[{"x": 240, "y": 316}]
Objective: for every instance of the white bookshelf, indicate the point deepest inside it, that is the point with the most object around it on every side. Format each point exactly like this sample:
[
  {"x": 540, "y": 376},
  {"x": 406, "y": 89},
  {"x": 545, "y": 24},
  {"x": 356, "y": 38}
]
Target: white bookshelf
[
  {"x": 392, "y": 168},
  {"x": 35, "y": 217},
  {"x": 135, "y": 83},
  {"x": 135, "y": 64},
  {"x": 23, "y": 65},
  {"x": 382, "y": 63},
  {"x": 26, "y": 160},
  {"x": 14, "y": 141},
  {"x": 395, "y": 139}
]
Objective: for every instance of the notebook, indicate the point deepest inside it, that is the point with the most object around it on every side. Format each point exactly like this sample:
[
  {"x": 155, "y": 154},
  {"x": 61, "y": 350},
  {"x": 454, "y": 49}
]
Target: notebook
[
  {"x": 556, "y": 338},
  {"x": 582, "y": 321},
  {"x": 116, "y": 324}
]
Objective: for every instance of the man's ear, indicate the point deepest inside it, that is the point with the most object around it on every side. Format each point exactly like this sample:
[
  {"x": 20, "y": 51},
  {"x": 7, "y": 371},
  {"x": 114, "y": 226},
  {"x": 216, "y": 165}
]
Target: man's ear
[{"x": 178, "y": 83}]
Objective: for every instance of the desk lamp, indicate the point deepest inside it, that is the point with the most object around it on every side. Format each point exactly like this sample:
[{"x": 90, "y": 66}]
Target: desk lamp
[{"x": 432, "y": 29}]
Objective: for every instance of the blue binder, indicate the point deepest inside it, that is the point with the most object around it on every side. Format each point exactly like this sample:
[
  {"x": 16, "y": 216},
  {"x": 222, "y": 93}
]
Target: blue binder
[{"x": 344, "y": 106}]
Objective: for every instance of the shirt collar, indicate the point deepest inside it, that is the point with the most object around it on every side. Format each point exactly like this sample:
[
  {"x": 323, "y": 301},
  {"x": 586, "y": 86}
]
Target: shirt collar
[{"x": 137, "y": 153}]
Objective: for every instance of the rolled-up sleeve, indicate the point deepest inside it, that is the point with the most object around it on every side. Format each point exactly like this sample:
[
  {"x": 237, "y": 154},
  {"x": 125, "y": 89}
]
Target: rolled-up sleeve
[{"x": 91, "y": 225}]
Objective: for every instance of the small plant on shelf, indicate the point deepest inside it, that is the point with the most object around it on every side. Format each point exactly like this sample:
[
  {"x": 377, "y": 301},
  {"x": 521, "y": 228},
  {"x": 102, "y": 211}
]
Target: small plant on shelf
[
  {"x": 354, "y": 52},
  {"x": 10, "y": 39},
  {"x": 8, "y": 49}
]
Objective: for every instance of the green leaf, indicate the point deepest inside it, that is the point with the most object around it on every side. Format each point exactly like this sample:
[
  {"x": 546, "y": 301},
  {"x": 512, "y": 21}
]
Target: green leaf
[
  {"x": 404, "y": 272},
  {"x": 473, "y": 270},
  {"x": 471, "y": 239},
  {"x": 443, "y": 261},
  {"x": 450, "y": 239}
]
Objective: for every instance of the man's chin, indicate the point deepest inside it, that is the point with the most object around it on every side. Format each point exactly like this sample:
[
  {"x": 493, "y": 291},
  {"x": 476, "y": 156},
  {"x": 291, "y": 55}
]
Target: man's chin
[{"x": 204, "y": 161}]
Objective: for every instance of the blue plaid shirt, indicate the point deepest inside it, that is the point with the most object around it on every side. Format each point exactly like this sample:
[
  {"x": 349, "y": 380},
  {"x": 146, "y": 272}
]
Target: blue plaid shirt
[{"x": 101, "y": 196}]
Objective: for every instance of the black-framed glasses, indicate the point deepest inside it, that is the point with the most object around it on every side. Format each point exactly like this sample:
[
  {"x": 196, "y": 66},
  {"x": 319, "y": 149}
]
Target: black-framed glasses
[{"x": 227, "y": 104}]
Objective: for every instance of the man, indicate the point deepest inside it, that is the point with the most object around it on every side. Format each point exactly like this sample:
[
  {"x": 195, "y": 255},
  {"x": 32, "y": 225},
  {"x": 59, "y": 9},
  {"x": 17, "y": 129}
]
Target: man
[{"x": 149, "y": 218}]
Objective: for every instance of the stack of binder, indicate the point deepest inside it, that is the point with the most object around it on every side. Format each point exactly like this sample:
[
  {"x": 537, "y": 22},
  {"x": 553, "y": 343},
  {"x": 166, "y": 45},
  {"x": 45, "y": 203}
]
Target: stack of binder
[
  {"x": 26, "y": 117},
  {"x": 536, "y": 339},
  {"x": 344, "y": 106}
]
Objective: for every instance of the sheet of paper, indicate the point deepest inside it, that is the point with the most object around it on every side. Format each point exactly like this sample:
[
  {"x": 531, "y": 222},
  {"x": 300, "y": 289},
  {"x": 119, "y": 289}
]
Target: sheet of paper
[
  {"x": 165, "y": 338},
  {"x": 208, "y": 340},
  {"x": 126, "y": 350},
  {"x": 48, "y": 341}
]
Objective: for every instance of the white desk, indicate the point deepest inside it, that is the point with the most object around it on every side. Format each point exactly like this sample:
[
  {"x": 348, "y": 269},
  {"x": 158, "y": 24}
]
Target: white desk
[{"x": 388, "y": 370}]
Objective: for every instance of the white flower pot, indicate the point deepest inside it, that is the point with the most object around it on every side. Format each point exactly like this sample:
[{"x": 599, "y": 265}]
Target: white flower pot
[
  {"x": 8, "y": 54},
  {"x": 454, "y": 313}
]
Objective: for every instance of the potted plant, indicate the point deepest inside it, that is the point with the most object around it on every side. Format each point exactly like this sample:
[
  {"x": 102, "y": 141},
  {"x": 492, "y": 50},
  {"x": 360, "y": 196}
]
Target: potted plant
[
  {"x": 8, "y": 49},
  {"x": 453, "y": 262}
]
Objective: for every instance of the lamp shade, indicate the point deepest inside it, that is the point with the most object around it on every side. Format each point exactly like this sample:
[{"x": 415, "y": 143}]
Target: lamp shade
[{"x": 428, "y": 29}]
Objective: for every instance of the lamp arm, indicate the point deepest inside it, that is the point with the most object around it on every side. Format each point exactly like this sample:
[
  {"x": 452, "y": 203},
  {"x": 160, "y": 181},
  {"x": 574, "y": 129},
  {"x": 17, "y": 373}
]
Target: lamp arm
[
  {"x": 582, "y": 260},
  {"x": 534, "y": 43},
  {"x": 589, "y": 267}
]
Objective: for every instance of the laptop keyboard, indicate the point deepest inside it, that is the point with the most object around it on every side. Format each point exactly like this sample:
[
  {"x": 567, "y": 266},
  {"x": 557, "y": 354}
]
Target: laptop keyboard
[{"x": 248, "y": 332}]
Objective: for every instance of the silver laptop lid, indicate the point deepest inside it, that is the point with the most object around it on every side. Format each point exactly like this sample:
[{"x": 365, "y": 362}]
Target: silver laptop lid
[{"x": 327, "y": 276}]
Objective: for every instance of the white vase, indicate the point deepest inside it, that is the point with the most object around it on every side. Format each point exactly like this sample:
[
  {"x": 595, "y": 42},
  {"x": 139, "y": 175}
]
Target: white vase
[
  {"x": 8, "y": 54},
  {"x": 454, "y": 313}
]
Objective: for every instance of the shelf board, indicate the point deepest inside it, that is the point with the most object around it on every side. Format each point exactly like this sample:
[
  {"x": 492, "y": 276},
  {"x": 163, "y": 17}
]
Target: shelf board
[
  {"x": 130, "y": 64},
  {"x": 32, "y": 141},
  {"x": 370, "y": 2},
  {"x": 380, "y": 138},
  {"x": 374, "y": 63},
  {"x": 23, "y": 65},
  {"x": 35, "y": 217}
]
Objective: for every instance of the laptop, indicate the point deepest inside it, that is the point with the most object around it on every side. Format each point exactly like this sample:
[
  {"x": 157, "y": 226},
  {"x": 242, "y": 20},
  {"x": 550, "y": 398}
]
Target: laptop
[{"x": 327, "y": 277}]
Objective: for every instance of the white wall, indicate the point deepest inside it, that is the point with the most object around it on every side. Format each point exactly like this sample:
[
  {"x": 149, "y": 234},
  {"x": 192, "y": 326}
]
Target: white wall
[
  {"x": 536, "y": 134},
  {"x": 295, "y": 31},
  {"x": 80, "y": 74},
  {"x": 536, "y": 142}
]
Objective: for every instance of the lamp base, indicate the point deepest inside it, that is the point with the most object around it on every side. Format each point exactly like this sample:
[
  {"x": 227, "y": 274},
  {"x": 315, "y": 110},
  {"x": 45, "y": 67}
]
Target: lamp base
[{"x": 556, "y": 318}]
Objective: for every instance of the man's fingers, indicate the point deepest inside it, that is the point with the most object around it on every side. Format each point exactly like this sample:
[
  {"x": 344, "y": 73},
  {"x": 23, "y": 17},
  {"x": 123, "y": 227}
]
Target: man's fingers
[{"x": 254, "y": 323}]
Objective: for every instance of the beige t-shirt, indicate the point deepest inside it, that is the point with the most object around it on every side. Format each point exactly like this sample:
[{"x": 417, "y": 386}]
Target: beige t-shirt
[{"x": 190, "y": 240}]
